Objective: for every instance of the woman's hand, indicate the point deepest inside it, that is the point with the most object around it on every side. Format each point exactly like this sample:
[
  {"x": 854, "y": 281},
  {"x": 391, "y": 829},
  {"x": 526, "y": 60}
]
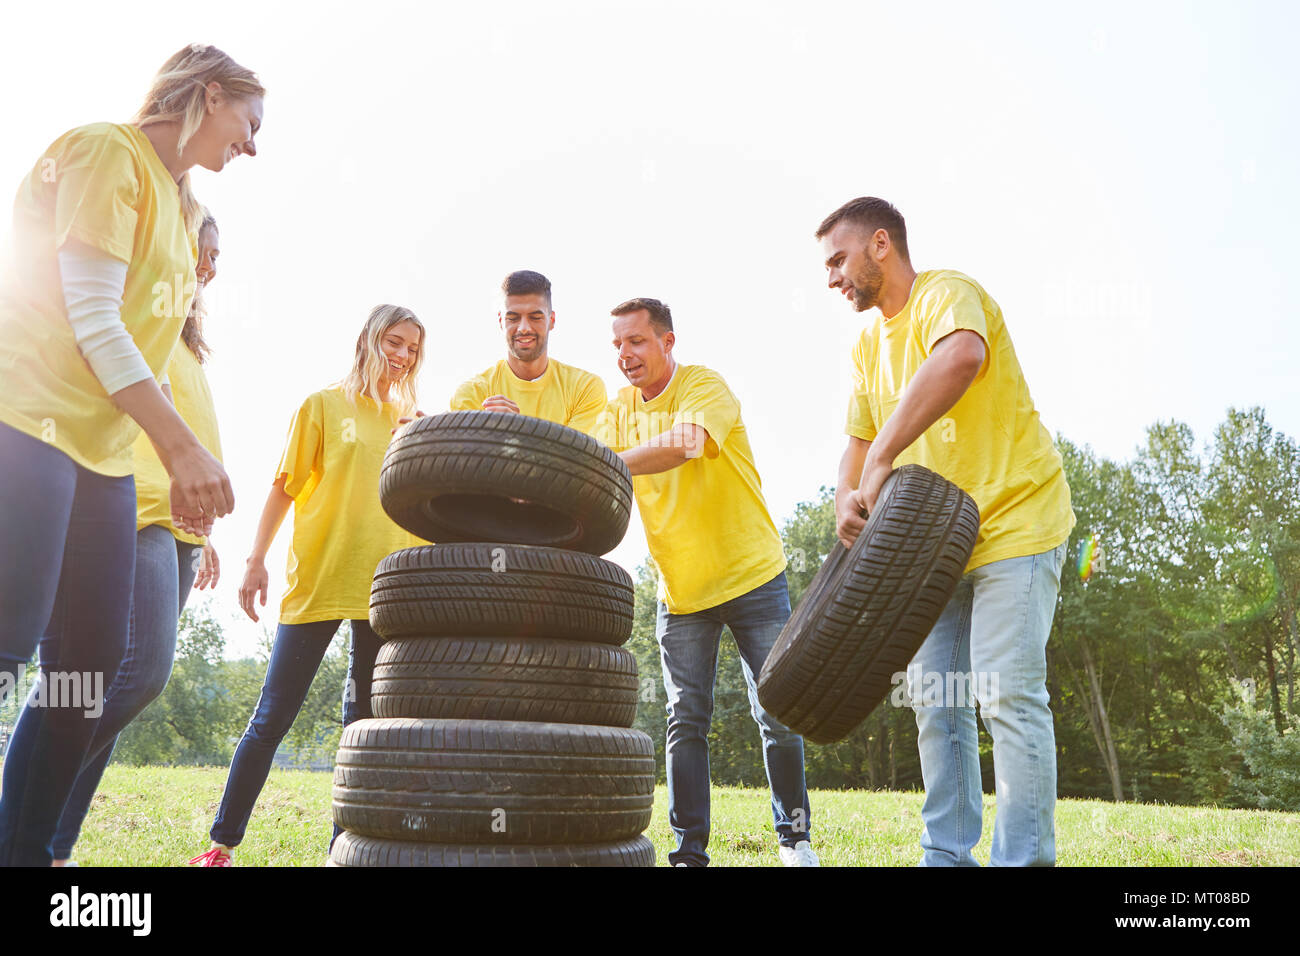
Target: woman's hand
[
  {"x": 255, "y": 584},
  {"x": 200, "y": 490},
  {"x": 209, "y": 569},
  {"x": 405, "y": 421}
]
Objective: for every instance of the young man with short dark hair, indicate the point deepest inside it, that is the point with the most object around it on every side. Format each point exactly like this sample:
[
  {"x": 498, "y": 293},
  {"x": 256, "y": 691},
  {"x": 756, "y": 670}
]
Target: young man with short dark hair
[
  {"x": 527, "y": 381},
  {"x": 937, "y": 383}
]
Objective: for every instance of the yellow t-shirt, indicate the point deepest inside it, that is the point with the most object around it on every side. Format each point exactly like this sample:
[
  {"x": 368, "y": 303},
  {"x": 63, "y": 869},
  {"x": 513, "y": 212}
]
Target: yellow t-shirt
[
  {"x": 102, "y": 185},
  {"x": 563, "y": 394},
  {"x": 705, "y": 521},
  {"x": 331, "y": 465},
  {"x": 193, "y": 401},
  {"x": 991, "y": 443}
]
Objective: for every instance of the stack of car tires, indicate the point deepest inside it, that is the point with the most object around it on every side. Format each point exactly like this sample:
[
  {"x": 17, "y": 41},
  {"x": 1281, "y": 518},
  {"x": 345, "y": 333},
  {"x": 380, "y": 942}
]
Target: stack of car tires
[{"x": 503, "y": 699}]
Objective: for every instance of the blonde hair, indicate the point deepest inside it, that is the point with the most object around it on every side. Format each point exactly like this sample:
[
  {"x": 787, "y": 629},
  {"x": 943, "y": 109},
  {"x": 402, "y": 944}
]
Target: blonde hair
[
  {"x": 369, "y": 364},
  {"x": 179, "y": 94},
  {"x": 192, "y": 332}
]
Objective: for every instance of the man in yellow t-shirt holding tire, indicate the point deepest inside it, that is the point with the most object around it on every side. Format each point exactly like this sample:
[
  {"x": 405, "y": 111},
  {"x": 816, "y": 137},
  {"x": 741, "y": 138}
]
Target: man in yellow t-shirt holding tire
[
  {"x": 720, "y": 560},
  {"x": 937, "y": 383}
]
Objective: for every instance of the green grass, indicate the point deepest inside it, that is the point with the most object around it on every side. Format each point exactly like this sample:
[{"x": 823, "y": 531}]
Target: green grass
[{"x": 159, "y": 816}]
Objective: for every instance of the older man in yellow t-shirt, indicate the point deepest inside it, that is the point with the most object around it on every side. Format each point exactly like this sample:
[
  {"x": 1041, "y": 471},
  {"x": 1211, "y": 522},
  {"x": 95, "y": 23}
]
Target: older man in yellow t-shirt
[
  {"x": 720, "y": 561},
  {"x": 937, "y": 383},
  {"x": 527, "y": 381}
]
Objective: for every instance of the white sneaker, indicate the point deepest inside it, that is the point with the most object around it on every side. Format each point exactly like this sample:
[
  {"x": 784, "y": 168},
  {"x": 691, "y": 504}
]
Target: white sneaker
[{"x": 801, "y": 854}]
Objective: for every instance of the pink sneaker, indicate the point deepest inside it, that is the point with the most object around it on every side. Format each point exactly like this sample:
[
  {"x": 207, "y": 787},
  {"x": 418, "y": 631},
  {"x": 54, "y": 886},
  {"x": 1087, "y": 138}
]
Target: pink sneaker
[{"x": 217, "y": 856}]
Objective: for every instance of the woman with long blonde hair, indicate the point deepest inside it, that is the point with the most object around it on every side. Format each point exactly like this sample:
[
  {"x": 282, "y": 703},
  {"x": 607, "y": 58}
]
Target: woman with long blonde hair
[
  {"x": 329, "y": 472},
  {"x": 91, "y": 305}
]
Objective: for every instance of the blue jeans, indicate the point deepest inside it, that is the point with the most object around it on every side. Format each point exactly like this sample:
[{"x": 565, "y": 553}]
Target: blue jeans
[
  {"x": 164, "y": 573},
  {"x": 295, "y": 658},
  {"x": 67, "y": 559},
  {"x": 992, "y": 638},
  {"x": 688, "y": 645}
]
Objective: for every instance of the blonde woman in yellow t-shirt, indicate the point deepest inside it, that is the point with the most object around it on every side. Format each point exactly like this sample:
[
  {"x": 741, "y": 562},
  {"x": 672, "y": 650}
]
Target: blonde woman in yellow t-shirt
[
  {"x": 329, "y": 472},
  {"x": 168, "y": 561},
  {"x": 91, "y": 306}
]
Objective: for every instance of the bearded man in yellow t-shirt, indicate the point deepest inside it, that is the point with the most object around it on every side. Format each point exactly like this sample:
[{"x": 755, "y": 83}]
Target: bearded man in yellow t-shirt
[
  {"x": 720, "y": 560},
  {"x": 937, "y": 383},
  {"x": 527, "y": 381}
]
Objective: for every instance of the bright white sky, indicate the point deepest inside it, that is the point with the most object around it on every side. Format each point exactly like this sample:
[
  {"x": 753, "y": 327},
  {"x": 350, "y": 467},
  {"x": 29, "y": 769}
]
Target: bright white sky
[{"x": 1120, "y": 177}]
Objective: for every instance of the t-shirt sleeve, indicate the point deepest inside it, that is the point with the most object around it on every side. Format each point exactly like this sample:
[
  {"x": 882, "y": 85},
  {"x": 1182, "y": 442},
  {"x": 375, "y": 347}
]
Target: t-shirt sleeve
[
  {"x": 97, "y": 191},
  {"x": 860, "y": 423},
  {"x": 589, "y": 406},
  {"x": 468, "y": 396},
  {"x": 610, "y": 427},
  {"x": 949, "y": 306},
  {"x": 706, "y": 401},
  {"x": 302, "y": 449}
]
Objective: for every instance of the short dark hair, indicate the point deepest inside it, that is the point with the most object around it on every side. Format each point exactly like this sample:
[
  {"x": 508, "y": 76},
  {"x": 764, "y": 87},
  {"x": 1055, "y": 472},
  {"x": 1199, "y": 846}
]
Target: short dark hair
[
  {"x": 870, "y": 214},
  {"x": 660, "y": 316},
  {"x": 525, "y": 282}
]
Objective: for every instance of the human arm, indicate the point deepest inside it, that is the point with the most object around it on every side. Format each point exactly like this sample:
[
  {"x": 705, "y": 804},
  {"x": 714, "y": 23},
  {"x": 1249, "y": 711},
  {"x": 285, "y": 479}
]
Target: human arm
[
  {"x": 941, "y": 380},
  {"x": 850, "y": 512},
  {"x": 200, "y": 488},
  {"x": 92, "y": 282},
  {"x": 667, "y": 450},
  {"x": 256, "y": 579}
]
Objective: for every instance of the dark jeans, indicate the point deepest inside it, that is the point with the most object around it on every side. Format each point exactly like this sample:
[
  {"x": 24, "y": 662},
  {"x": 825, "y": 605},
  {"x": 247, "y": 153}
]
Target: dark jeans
[
  {"x": 688, "y": 647},
  {"x": 164, "y": 573},
  {"x": 67, "y": 559},
  {"x": 295, "y": 658}
]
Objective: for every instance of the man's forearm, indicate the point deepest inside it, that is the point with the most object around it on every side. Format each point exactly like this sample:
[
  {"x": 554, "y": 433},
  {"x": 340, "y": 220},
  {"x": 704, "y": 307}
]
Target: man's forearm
[
  {"x": 666, "y": 451},
  {"x": 653, "y": 459},
  {"x": 851, "y": 464}
]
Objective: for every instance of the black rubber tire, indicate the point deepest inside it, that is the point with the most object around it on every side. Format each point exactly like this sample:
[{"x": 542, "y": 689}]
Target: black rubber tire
[
  {"x": 488, "y": 782},
  {"x": 564, "y": 682},
  {"x": 352, "y": 850},
  {"x": 498, "y": 476},
  {"x": 869, "y": 609},
  {"x": 501, "y": 590}
]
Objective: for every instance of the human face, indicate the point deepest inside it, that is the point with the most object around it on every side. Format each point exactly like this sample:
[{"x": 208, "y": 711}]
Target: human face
[
  {"x": 644, "y": 357},
  {"x": 401, "y": 345},
  {"x": 209, "y": 249},
  {"x": 527, "y": 321},
  {"x": 853, "y": 264},
  {"x": 228, "y": 129}
]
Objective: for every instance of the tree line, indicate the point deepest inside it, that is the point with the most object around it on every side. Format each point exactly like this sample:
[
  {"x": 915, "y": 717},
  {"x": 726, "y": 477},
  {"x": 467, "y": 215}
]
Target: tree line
[{"x": 1171, "y": 668}]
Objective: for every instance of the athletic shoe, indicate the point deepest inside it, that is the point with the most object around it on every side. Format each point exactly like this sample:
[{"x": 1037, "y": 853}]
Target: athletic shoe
[
  {"x": 801, "y": 854},
  {"x": 217, "y": 856}
]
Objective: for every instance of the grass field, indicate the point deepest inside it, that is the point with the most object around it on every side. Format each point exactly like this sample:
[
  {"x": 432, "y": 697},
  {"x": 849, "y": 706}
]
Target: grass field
[{"x": 159, "y": 816}]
